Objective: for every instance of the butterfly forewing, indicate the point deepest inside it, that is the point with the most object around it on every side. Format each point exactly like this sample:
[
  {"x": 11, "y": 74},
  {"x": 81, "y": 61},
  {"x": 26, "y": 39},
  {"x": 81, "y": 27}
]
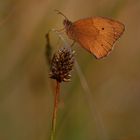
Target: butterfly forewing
[{"x": 97, "y": 35}]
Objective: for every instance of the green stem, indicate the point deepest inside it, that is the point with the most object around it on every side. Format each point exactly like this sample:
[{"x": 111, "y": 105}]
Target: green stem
[{"x": 55, "y": 109}]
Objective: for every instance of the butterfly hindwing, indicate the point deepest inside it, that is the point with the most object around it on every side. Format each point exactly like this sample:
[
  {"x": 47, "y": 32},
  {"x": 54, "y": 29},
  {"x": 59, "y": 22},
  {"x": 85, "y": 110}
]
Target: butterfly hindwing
[{"x": 97, "y": 35}]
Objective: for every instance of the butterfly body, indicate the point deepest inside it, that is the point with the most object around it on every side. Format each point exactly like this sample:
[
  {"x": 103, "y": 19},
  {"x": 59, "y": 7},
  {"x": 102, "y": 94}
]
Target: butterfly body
[{"x": 96, "y": 34}]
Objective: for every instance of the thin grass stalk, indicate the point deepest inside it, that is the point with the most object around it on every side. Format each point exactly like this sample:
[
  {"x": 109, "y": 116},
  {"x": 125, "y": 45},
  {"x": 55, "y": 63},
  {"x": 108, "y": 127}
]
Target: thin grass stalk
[{"x": 55, "y": 109}]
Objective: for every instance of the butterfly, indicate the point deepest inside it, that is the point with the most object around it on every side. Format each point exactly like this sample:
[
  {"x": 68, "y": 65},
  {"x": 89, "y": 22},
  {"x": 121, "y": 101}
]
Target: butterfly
[{"x": 95, "y": 34}]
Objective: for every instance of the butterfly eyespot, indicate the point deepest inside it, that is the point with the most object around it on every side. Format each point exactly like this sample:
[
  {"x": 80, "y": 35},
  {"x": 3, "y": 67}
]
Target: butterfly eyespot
[{"x": 103, "y": 28}]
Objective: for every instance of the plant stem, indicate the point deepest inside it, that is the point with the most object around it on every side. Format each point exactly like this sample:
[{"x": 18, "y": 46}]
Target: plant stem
[{"x": 55, "y": 109}]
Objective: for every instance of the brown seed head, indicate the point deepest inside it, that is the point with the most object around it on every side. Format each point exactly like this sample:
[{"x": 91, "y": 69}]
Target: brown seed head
[{"x": 61, "y": 64}]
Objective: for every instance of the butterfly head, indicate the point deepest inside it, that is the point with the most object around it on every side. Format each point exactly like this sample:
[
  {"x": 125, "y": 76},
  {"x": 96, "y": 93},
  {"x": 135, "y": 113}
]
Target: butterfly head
[{"x": 67, "y": 24}]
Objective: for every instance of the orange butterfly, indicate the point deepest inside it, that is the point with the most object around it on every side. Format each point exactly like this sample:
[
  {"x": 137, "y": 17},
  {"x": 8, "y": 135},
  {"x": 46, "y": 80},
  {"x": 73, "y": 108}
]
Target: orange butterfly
[{"x": 96, "y": 34}]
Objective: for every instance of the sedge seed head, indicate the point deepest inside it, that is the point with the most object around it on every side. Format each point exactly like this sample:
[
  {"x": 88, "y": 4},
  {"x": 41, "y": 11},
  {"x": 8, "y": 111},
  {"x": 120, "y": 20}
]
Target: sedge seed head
[{"x": 62, "y": 64}]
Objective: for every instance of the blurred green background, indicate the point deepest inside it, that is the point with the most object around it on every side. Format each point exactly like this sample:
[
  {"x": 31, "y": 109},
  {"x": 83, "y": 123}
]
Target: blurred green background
[{"x": 107, "y": 108}]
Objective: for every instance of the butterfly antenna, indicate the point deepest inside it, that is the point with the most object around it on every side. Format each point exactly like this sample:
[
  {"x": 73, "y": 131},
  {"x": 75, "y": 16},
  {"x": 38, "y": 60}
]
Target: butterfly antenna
[{"x": 60, "y": 13}]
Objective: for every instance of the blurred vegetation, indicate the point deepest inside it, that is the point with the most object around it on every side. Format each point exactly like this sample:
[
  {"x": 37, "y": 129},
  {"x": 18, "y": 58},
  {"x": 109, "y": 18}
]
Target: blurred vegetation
[{"x": 110, "y": 111}]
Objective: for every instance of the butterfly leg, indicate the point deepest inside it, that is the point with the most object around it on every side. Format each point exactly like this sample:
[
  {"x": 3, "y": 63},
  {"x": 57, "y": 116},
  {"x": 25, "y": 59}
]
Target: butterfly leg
[
  {"x": 72, "y": 44},
  {"x": 59, "y": 31}
]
